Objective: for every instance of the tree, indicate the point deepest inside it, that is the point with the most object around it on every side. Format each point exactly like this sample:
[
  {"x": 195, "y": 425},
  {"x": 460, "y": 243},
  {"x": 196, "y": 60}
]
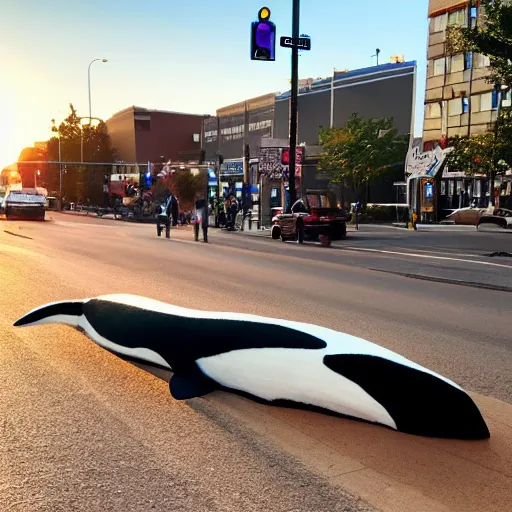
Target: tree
[
  {"x": 81, "y": 182},
  {"x": 361, "y": 151},
  {"x": 185, "y": 185},
  {"x": 485, "y": 152},
  {"x": 491, "y": 36},
  {"x": 28, "y": 171}
]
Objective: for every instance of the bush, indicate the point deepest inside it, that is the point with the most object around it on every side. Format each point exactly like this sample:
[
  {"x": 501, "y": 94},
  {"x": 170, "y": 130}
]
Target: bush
[{"x": 383, "y": 213}]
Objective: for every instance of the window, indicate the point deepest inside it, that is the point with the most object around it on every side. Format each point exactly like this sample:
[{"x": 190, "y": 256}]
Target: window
[
  {"x": 439, "y": 65},
  {"x": 507, "y": 99},
  {"x": 455, "y": 107},
  {"x": 455, "y": 63},
  {"x": 482, "y": 61},
  {"x": 432, "y": 110},
  {"x": 495, "y": 99},
  {"x": 438, "y": 24},
  {"x": 468, "y": 60},
  {"x": 143, "y": 125},
  {"x": 457, "y": 17},
  {"x": 465, "y": 105}
]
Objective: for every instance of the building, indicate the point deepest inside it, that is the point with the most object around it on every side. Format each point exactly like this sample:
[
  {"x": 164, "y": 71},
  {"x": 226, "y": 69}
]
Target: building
[
  {"x": 226, "y": 134},
  {"x": 459, "y": 101},
  {"x": 142, "y": 135},
  {"x": 251, "y": 119},
  {"x": 387, "y": 90}
]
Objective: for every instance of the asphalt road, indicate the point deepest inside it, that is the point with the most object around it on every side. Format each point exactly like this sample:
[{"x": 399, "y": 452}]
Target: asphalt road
[{"x": 82, "y": 430}]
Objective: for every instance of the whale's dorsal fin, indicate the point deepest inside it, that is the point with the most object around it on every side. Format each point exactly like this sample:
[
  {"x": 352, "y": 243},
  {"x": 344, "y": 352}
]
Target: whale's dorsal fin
[{"x": 191, "y": 383}]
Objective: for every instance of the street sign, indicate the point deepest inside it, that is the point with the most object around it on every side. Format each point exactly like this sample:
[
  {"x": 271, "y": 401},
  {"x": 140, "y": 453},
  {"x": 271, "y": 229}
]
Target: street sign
[{"x": 303, "y": 43}]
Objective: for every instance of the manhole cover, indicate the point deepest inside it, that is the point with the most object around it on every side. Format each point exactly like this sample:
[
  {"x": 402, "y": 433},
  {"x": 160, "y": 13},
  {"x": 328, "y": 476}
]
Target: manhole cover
[{"x": 499, "y": 254}]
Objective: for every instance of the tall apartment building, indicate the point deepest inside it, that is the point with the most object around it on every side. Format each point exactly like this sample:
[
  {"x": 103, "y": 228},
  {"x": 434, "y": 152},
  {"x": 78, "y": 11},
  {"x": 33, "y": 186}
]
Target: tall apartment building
[{"x": 458, "y": 100}]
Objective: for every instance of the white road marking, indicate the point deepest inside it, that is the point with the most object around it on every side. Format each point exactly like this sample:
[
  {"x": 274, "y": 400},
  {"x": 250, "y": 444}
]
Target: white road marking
[
  {"x": 82, "y": 224},
  {"x": 462, "y": 255},
  {"x": 427, "y": 256}
]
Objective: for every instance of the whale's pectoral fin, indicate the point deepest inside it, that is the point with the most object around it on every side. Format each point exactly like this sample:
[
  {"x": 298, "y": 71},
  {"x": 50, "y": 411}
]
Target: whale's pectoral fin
[{"x": 191, "y": 383}]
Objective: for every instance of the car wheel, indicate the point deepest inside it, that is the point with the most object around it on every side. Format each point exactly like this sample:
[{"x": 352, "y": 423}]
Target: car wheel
[
  {"x": 276, "y": 232},
  {"x": 300, "y": 233}
]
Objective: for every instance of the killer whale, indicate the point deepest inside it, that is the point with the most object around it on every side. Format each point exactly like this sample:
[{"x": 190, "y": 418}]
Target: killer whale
[{"x": 273, "y": 361}]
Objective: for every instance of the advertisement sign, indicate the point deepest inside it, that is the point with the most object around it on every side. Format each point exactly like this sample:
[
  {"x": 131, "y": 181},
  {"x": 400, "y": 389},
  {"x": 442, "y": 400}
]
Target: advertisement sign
[
  {"x": 427, "y": 196},
  {"x": 274, "y": 163},
  {"x": 232, "y": 168},
  {"x": 427, "y": 163}
]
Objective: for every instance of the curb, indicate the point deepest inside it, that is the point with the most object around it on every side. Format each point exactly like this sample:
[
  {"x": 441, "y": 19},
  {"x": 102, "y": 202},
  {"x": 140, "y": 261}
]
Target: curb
[
  {"x": 445, "y": 227},
  {"x": 444, "y": 280}
]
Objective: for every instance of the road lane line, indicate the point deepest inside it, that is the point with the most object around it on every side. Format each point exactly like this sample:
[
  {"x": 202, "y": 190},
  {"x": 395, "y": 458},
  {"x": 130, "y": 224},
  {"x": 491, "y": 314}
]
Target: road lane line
[
  {"x": 427, "y": 256},
  {"x": 416, "y": 250},
  {"x": 81, "y": 224}
]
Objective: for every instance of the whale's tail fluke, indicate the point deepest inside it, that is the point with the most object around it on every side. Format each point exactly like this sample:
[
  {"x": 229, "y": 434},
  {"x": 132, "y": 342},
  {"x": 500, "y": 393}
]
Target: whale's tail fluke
[{"x": 67, "y": 312}]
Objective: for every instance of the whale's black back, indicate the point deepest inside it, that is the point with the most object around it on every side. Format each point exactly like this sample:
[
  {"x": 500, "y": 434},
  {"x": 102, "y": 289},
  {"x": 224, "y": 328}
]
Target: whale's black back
[
  {"x": 181, "y": 340},
  {"x": 419, "y": 403}
]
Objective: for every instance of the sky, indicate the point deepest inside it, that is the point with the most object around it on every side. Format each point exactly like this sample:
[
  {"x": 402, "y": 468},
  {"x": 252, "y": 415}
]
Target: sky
[{"x": 187, "y": 56}]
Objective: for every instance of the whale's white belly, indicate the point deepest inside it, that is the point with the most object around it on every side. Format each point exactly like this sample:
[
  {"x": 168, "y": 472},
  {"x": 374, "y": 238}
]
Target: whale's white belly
[{"x": 293, "y": 374}]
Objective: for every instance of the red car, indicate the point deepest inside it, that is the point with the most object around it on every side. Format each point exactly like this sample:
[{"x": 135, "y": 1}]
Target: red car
[{"x": 314, "y": 217}]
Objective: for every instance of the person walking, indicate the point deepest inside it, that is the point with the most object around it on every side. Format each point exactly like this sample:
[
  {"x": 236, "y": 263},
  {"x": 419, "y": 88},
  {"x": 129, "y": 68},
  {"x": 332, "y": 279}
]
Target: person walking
[
  {"x": 201, "y": 218},
  {"x": 169, "y": 212}
]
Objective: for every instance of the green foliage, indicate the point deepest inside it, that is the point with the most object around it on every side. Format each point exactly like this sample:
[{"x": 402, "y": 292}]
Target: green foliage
[
  {"x": 383, "y": 213},
  {"x": 186, "y": 186},
  {"x": 80, "y": 183},
  {"x": 361, "y": 151},
  {"x": 492, "y": 36},
  {"x": 481, "y": 153}
]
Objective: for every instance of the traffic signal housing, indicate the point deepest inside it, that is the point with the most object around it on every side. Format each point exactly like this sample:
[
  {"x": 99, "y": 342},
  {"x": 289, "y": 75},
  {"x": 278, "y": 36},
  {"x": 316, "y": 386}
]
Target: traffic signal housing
[{"x": 263, "y": 37}]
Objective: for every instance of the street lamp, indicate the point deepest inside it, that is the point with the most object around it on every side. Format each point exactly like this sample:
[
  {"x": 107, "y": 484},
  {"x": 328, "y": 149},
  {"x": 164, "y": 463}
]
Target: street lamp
[
  {"x": 89, "y": 81},
  {"x": 377, "y": 53}
]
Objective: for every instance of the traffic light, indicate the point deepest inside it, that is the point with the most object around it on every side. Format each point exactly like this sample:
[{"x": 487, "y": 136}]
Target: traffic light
[{"x": 263, "y": 37}]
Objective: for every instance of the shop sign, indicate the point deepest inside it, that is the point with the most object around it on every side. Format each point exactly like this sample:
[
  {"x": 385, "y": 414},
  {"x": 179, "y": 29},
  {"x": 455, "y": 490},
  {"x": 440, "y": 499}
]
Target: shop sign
[{"x": 274, "y": 162}]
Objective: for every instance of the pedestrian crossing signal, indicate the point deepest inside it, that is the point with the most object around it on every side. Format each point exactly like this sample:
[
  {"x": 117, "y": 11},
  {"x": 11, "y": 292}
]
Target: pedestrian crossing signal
[{"x": 263, "y": 37}]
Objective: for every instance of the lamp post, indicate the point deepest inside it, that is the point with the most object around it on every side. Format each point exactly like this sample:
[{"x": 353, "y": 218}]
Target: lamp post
[
  {"x": 89, "y": 81},
  {"x": 377, "y": 53}
]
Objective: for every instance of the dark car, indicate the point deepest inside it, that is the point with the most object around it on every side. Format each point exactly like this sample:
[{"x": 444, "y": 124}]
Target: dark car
[{"x": 313, "y": 217}]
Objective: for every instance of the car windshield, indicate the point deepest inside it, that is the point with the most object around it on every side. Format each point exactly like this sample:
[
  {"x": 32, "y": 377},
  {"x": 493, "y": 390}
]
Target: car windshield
[{"x": 321, "y": 200}]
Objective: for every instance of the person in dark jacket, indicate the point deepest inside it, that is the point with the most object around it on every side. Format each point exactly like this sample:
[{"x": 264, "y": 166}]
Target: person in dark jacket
[
  {"x": 169, "y": 212},
  {"x": 201, "y": 215}
]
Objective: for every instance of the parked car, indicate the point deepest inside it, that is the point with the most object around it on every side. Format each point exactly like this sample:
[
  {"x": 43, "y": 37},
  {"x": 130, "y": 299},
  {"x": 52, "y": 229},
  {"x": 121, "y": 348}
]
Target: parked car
[
  {"x": 25, "y": 204},
  {"x": 465, "y": 216},
  {"x": 314, "y": 217},
  {"x": 501, "y": 217}
]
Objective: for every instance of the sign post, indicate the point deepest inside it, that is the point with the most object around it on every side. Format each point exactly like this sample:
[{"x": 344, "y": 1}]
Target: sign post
[{"x": 296, "y": 43}]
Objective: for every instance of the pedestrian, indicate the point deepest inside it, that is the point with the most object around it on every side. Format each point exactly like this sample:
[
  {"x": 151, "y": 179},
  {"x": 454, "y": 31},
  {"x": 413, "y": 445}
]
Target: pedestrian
[
  {"x": 169, "y": 211},
  {"x": 201, "y": 218}
]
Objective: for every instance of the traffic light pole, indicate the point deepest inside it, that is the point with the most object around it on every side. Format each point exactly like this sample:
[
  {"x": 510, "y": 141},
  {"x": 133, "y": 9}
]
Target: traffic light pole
[{"x": 294, "y": 101}]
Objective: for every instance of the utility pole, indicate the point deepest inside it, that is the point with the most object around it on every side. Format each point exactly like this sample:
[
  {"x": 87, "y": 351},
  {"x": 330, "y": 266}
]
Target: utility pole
[
  {"x": 294, "y": 99},
  {"x": 60, "y": 173}
]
